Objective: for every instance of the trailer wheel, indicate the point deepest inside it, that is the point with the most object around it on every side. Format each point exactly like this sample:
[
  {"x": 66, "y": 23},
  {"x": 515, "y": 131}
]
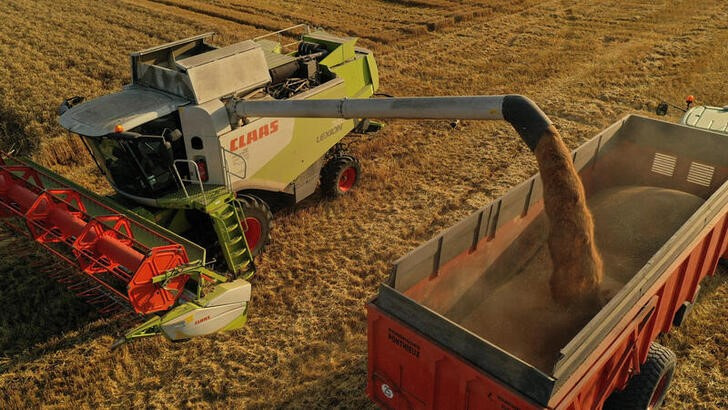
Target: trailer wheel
[
  {"x": 257, "y": 223},
  {"x": 647, "y": 390},
  {"x": 339, "y": 175}
]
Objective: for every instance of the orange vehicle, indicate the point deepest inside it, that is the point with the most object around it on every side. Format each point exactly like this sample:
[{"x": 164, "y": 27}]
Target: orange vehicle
[{"x": 464, "y": 320}]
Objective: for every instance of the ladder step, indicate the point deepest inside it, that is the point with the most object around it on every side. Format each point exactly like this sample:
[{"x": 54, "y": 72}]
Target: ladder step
[{"x": 228, "y": 225}]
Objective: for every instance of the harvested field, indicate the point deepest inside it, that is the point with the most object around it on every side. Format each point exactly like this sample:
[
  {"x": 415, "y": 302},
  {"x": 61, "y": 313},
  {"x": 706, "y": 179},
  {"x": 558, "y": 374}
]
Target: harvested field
[{"x": 585, "y": 63}]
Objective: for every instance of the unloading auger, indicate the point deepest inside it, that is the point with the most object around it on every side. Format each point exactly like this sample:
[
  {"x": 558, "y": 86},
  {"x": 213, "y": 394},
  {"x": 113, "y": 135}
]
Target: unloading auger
[{"x": 577, "y": 266}]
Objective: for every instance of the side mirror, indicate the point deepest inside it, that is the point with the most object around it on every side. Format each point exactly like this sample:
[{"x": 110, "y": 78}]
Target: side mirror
[
  {"x": 68, "y": 103},
  {"x": 661, "y": 109}
]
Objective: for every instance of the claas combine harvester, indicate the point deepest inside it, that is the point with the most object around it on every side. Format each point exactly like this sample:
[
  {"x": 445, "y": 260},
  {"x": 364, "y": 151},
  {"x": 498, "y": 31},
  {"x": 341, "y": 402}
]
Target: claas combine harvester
[{"x": 194, "y": 181}]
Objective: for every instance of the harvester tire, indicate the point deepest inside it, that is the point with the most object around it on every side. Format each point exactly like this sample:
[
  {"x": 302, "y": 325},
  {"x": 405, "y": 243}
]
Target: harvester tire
[
  {"x": 339, "y": 175},
  {"x": 257, "y": 223},
  {"x": 647, "y": 390}
]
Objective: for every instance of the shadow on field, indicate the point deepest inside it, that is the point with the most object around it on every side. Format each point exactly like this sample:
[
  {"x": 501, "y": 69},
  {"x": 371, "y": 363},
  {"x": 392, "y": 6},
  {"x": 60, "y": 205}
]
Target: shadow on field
[
  {"x": 35, "y": 308},
  {"x": 344, "y": 388},
  {"x": 710, "y": 285}
]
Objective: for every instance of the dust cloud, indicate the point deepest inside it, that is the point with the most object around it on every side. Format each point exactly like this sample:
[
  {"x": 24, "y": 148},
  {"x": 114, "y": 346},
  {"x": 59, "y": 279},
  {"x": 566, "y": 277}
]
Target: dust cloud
[{"x": 630, "y": 224}]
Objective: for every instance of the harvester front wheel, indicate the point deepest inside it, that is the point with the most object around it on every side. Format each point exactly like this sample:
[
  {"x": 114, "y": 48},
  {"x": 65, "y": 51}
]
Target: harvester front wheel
[
  {"x": 647, "y": 390},
  {"x": 340, "y": 175},
  {"x": 257, "y": 222}
]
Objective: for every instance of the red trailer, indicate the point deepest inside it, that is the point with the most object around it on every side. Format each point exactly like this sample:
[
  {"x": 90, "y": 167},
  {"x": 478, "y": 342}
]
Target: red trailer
[{"x": 463, "y": 321}]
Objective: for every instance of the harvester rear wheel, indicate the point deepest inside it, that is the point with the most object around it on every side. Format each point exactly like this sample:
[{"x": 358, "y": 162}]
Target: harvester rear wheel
[
  {"x": 647, "y": 390},
  {"x": 339, "y": 175},
  {"x": 257, "y": 223}
]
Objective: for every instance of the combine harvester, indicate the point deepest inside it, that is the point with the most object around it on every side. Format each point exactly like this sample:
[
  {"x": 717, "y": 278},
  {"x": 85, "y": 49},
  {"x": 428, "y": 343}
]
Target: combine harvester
[{"x": 192, "y": 178}]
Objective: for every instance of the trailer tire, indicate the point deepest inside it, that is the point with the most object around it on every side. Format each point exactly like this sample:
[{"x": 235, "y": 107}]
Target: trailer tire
[
  {"x": 647, "y": 390},
  {"x": 339, "y": 175},
  {"x": 257, "y": 222}
]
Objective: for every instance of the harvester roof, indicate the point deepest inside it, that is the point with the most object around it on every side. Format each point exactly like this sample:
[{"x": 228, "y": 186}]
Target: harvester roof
[
  {"x": 129, "y": 108},
  {"x": 200, "y": 72}
]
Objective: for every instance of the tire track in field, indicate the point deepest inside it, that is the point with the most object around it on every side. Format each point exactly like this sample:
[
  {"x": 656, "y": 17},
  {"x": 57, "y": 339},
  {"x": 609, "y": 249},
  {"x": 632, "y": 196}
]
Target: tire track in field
[
  {"x": 450, "y": 33},
  {"x": 583, "y": 72},
  {"x": 415, "y": 65},
  {"x": 341, "y": 18},
  {"x": 514, "y": 55},
  {"x": 259, "y": 22},
  {"x": 418, "y": 3},
  {"x": 646, "y": 61},
  {"x": 500, "y": 30},
  {"x": 369, "y": 17},
  {"x": 228, "y": 31},
  {"x": 401, "y": 27}
]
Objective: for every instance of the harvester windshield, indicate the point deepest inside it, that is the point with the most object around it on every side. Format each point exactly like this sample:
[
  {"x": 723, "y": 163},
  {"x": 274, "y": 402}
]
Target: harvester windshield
[{"x": 139, "y": 166}]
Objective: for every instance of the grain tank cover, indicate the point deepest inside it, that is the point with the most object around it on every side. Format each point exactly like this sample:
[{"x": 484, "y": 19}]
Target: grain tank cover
[{"x": 200, "y": 72}]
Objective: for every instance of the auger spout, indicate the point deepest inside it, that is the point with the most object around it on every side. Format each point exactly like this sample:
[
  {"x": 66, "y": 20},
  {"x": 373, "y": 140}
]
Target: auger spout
[{"x": 524, "y": 115}]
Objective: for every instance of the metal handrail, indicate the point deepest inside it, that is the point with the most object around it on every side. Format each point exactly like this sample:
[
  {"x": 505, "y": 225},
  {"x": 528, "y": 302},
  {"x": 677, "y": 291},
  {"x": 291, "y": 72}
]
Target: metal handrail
[
  {"x": 307, "y": 29},
  {"x": 228, "y": 172},
  {"x": 243, "y": 222},
  {"x": 192, "y": 181}
]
